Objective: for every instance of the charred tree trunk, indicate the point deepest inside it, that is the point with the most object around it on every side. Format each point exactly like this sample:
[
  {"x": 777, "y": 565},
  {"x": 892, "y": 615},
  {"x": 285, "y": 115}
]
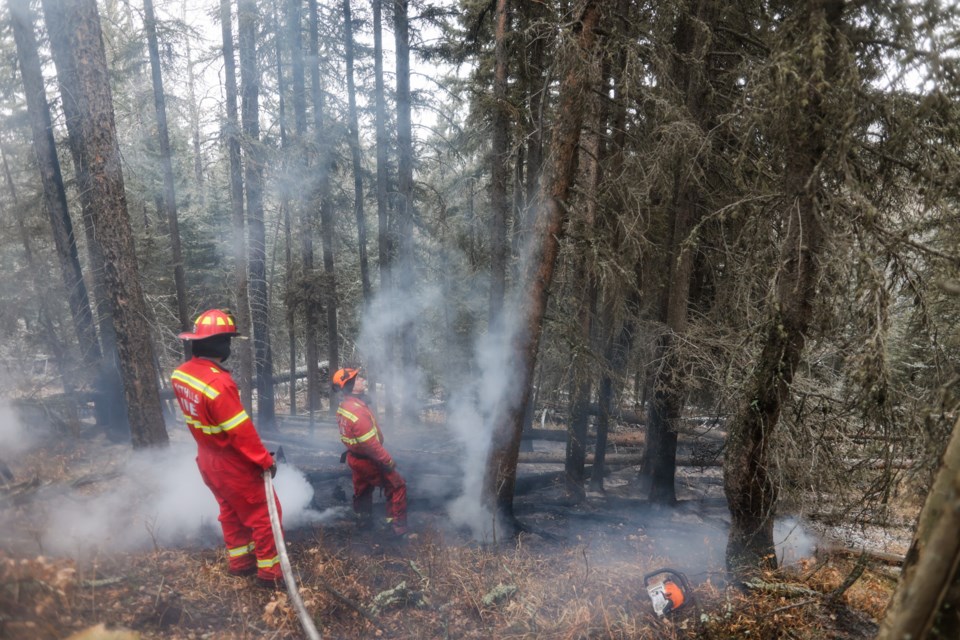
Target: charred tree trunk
[
  {"x": 247, "y": 26},
  {"x": 501, "y": 466},
  {"x": 54, "y": 193},
  {"x": 585, "y": 286},
  {"x": 691, "y": 40},
  {"x": 77, "y": 45},
  {"x": 616, "y": 341},
  {"x": 355, "y": 154},
  {"x": 750, "y": 490},
  {"x": 241, "y": 281},
  {"x": 500, "y": 163},
  {"x": 166, "y": 162}
]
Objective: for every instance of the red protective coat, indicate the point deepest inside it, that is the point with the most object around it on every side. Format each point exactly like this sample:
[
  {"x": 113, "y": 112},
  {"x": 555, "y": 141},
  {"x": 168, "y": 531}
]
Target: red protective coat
[
  {"x": 370, "y": 463},
  {"x": 232, "y": 459}
]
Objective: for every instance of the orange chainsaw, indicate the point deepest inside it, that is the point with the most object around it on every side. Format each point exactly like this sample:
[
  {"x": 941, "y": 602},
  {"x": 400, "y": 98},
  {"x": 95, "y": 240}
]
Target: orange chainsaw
[{"x": 668, "y": 589}]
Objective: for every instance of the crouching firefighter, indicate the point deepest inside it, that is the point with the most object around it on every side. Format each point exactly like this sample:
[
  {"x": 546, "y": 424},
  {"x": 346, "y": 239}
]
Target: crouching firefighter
[
  {"x": 230, "y": 455},
  {"x": 371, "y": 464}
]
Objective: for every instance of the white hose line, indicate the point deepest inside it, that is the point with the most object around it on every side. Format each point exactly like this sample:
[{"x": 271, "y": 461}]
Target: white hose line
[{"x": 305, "y": 620}]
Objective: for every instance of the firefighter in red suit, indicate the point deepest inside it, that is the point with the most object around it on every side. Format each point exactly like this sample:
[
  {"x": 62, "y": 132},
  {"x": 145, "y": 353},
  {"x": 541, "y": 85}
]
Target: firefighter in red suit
[
  {"x": 371, "y": 464},
  {"x": 230, "y": 455}
]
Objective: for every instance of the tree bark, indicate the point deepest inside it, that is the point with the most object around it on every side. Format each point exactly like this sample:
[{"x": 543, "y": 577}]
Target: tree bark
[
  {"x": 501, "y": 466},
  {"x": 288, "y": 182},
  {"x": 384, "y": 236},
  {"x": 405, "y": 263},
  {"x": 166, "y": 163},
  {"x": 311, "y": 306},
  {"x": 500, "y": 163},
  {"x": 325, "y": 170},
  {"x": 617, "y": 341},
  {"x": 247, "y": 26},
  {"x": 585, "y": 289},
  {"x": 384, "y": 249},
  {"x": 54, "y": 193},
  {"x": 240, "y": 265},
  {"x": 692, "y": 38},
  {"x": 750, "y": 490},
  {"x": 194, "y": 117},
  {"x": 77, "y": 45},
  {"x": 926, "y": 597},
  {"x": 354, "y": 140}
]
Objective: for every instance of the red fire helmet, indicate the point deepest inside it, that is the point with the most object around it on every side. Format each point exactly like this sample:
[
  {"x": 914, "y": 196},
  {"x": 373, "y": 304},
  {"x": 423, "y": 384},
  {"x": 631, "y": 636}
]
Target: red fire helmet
[{"x": 212, "y": 322}]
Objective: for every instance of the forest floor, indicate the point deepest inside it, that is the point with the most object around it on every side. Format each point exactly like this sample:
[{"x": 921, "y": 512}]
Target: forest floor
[{"x": 578, "y": 571}]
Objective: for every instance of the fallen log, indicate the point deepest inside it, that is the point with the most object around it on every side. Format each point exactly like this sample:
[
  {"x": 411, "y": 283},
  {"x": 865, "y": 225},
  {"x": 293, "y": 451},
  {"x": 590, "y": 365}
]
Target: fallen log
[
  {"x": 893, "y": 559},
  {"x": 615, "y": 459}
]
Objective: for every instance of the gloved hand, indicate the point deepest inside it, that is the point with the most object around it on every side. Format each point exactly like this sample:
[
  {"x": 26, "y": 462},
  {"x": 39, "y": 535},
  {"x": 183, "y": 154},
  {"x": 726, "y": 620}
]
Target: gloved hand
[
  {"x": 273, "y": 470},
  {"x": 390, "y": 466}
]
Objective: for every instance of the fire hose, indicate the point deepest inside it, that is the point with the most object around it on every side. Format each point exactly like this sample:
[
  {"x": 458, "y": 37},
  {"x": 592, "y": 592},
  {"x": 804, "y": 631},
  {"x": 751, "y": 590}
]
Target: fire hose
[{"x": 305, "y": 620}]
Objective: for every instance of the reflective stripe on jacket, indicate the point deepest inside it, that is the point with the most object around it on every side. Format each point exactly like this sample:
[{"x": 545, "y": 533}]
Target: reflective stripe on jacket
[
  {"x": 210, "y": 402},
  {"x": 359, "y": 431}
]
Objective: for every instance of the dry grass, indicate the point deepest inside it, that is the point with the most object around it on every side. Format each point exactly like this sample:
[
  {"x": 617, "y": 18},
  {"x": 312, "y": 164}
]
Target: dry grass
[
  {"x": 583, "y": 587},
  {"x": 555, "y": 593}
]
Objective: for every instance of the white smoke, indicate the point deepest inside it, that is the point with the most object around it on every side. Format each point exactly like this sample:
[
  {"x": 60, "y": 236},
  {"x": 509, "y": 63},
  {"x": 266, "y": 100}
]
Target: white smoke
[
  {"x": 793, "y": 541},
  {"x": 155, "y": 499},
  {"x": 473, "y": 411},
  {"x": 471, "y": 367},
  {"x": 14, "y": 437}
]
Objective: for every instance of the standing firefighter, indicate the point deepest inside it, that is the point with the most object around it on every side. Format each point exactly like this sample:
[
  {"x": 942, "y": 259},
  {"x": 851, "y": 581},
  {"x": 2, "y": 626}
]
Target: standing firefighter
[
  {"x": 230, "y": 455},
  {"x": 370, "y": 463}
]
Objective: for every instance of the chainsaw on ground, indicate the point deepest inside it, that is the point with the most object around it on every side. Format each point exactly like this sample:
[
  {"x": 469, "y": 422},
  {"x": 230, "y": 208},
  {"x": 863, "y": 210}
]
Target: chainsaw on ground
[{"x": 669, "y": 591}]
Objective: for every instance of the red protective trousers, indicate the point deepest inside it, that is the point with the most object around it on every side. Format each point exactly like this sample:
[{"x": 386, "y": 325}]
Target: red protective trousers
[
  {"x": 367, "y": 476},
  {"x": 244, "y": 515},
  {"x": 371, "y": 464}
]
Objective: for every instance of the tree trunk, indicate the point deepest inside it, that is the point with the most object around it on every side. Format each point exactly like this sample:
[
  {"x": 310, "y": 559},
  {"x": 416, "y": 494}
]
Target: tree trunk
[
  {"x": 289, "y": 182},
  {"x": 247, "y": 27},
  {"x": 110, "y": 410},
  {"x": 500, "y": 166},
  {"x": 751, "y": 492},
  {"x": 325, "y": 169},
  {"x": 585, "y": 288},
  {"x": 926, "y": 598},
  {"x": 194, "y": 117},
  {"x": 77, "y": 45},
  {"x": 304, "y": 204},
  {"x": 692, "y": 38},
  {"x": 501, "y": 466},
  {"x": 535, "y": 89},
  {"x": 54, "y": 194},
  {"x": 39, "y": 276},
  {"x": 355, "y": 154},
  {"x": 384, "y": 238},
  {"x": 617, "y": 341},
  {"x": 241, "y": 281},
  {"x": 166, "y": 162},
  {"x": 405, "y": 264}
]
